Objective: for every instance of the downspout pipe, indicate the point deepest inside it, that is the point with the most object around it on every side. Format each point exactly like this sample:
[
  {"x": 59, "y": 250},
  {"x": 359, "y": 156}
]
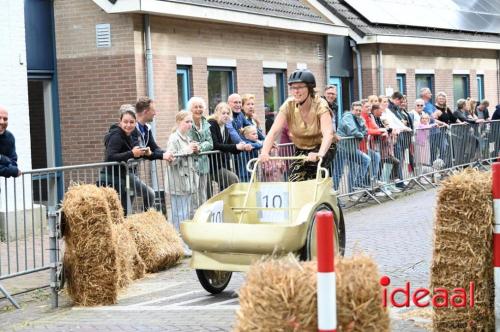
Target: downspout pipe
[
  {"x": 359, "y": 69},
  {"x": 327, "y": 62},
  {"x": 150, "y": 88},
  {"x": 149, "y": 64},
  {"x": 498, "y": 77},
  {"x": 380, "y": 71}
]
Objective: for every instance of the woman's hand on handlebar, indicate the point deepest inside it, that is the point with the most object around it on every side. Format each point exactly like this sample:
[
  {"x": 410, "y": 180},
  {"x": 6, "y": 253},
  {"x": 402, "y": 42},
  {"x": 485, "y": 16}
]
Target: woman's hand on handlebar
[
  {"x": 313, "y": 156},
  {"x": 264, "y": 157}
]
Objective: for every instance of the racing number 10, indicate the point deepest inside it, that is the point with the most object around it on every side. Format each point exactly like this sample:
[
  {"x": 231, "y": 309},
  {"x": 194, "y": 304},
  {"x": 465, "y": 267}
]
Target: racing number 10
[
  {"x": 276, "y": 200},
  {"x": 216, "y": 217}
]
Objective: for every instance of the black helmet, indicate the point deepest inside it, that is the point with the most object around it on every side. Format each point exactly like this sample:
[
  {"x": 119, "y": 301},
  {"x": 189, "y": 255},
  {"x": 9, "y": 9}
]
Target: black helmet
[{"x": 302, "y": 76}]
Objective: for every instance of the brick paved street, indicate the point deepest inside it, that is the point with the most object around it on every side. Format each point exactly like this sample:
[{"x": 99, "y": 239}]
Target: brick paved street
[{"x": 397, "y": 234}]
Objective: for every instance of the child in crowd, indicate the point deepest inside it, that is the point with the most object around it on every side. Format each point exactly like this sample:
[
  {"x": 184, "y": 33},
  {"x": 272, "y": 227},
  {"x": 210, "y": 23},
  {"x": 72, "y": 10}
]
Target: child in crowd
[
  {"x": 422, "y": 142},
  {"x": 250, "y": 136},
  {"x": 181, "y": 175}
]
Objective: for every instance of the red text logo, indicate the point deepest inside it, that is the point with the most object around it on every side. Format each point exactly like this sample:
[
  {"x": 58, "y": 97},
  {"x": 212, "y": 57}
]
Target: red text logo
[{"x": 423, "y": 297}]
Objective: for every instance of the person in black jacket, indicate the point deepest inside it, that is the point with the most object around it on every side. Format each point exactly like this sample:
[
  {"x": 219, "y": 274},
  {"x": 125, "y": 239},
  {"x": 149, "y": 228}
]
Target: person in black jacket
[
  {"x": 496, "y": 114},
  {"x": 120, "y": 146},
  {"x": 220, "y": 163},
  {"x": 8, "y": 155}
]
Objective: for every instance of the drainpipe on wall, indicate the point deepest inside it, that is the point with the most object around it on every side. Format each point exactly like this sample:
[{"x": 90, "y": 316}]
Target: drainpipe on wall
[
  {"x": 149, "y": 63},
  {"x": 498, "y": 77},
  {"x": 150, "y": 89},
  {"x": 358, "y": 67},
  {"x": 327, "y": 61},
  {"x": 380, "y": 70}
]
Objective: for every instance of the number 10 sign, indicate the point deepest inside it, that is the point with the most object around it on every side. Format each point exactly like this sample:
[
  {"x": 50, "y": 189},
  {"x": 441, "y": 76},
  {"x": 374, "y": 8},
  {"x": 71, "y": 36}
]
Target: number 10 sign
[{"x": 273, "y": 199}]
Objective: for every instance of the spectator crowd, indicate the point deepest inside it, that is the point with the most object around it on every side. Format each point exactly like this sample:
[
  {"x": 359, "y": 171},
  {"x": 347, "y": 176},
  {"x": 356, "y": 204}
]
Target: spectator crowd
[{"x": 374, "y": 147}]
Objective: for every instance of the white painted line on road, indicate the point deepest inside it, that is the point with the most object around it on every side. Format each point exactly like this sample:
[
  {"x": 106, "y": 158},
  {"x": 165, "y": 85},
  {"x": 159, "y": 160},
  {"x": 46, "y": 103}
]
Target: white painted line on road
[
  {"x": 159, "y": 308},
  {"x": 198, "y": 299},
  {"x": 141, "y": 289},
  {"x": 236, "y": 299},
  {"x": 166, "y": 298}
]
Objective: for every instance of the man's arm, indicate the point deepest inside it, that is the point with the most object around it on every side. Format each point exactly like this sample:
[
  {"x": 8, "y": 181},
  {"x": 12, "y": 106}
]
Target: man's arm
[
  {"x": 8, "y": 162},
  {"x": 233, "y": 133}
]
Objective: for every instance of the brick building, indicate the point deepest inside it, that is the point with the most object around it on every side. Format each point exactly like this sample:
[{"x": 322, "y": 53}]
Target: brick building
[
  {"x": 199, "y": 48},
  {"x": 80, "y": 59},
  {"x": 446, "y": 46}
]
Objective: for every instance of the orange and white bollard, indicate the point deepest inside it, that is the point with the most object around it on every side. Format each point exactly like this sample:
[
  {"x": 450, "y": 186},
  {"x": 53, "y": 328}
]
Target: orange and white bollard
[
  {"x": 327, "y": 299},
  {"x": 496, "y": 237}
]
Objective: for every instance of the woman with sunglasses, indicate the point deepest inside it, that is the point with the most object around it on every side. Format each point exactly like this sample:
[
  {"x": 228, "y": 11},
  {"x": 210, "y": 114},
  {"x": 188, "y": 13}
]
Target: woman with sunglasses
[{"x": 309, "y": 124}]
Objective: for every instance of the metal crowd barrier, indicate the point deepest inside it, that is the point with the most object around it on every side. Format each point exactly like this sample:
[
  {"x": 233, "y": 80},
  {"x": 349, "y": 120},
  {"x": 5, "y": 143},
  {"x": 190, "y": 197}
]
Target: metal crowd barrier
[
  {"x": 368, "y": 168},
  {"x": 30, "y": 231}
]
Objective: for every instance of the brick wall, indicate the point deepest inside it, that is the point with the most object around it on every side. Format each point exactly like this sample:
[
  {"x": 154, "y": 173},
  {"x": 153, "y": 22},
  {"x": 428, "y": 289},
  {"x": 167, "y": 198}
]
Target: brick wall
[
  {"x": 250, "y": 80},
  {"x": 491, "y": 88},
  {"x": 91, "y": 90},
  {"x": 442, "y": 60},
  {"x": 93, "y": 82},
  {"x": 248, "y": 46},
  {"x": 75, "y": 22},
  {"x": 165, "y": 80}
]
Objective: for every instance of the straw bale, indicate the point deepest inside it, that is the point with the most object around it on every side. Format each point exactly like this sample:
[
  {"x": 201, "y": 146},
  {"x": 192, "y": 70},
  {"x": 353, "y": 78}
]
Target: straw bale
[
  {"x": 115, "y": 206},
  {"x": 280, "y": 295},
  {"x": 462, "y": 250},
  {"x": 91, "y": 260},
  {"x": 157, "y": 242},
  {"x": 131, "y": 265}
]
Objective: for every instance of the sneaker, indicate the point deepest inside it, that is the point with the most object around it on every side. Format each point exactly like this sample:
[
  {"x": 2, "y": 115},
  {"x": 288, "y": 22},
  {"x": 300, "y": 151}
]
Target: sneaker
[
  {"x": 383, "y": 192},
  {"x": 187, "y": 252},
  {"x": 393, "y": 188}
]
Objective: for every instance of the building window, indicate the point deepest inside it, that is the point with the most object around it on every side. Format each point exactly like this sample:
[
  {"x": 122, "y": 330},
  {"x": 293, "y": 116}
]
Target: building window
[
  {"x": 460, "y": 87},
  {"x": 183, "y": 87},
  {"x": 274, "y": 94},
  {"x": 424, "y": 81},
  {"x": 401, "y": 81},
  {"x": 220, "y": 85},
  {"x": 480, "y": 87}
]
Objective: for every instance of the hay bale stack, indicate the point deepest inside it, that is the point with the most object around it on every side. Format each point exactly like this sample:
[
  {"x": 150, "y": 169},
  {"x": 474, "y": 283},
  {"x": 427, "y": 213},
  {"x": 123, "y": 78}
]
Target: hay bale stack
[
  {"x": 131, "y": 265},
  {"x": 359, "y": 295},
  {"x": 90, "y": 258},
  {"x": 157, "y": 241},
  {"x": 280, "y": 295},
  {"x": 463, "y": 250},
  {"x": 115, "y": 206}
]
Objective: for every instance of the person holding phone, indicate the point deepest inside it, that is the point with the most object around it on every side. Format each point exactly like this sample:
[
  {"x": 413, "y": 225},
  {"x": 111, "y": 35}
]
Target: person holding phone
[{"x": 120, "y": 146}]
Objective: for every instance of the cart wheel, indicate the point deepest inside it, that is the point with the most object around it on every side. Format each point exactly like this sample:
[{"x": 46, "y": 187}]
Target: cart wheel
[
  {"x": 214, "y": 281},
  {"x": 309, "y": 250}
]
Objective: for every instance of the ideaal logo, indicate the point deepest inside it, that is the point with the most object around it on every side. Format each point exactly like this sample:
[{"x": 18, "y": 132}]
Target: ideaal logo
[{"x": 423, "y": 297}]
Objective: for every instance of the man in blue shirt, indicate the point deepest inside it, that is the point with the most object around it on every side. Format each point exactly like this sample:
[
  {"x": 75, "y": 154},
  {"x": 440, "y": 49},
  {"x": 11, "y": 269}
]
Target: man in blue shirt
[
  {"x": 8, "y": 156},
  {"x": 429, "y": 108},
  {"x": 239, "y": 120}
]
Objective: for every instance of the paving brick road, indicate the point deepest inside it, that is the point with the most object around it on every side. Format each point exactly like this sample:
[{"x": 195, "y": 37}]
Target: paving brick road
[{"x": 398, "y": 234}]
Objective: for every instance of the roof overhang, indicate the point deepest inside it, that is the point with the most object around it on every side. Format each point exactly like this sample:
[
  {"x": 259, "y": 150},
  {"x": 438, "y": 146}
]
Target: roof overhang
[
  {"x": 423, "y": 41},
  {"x": 187, "y": 11}
]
